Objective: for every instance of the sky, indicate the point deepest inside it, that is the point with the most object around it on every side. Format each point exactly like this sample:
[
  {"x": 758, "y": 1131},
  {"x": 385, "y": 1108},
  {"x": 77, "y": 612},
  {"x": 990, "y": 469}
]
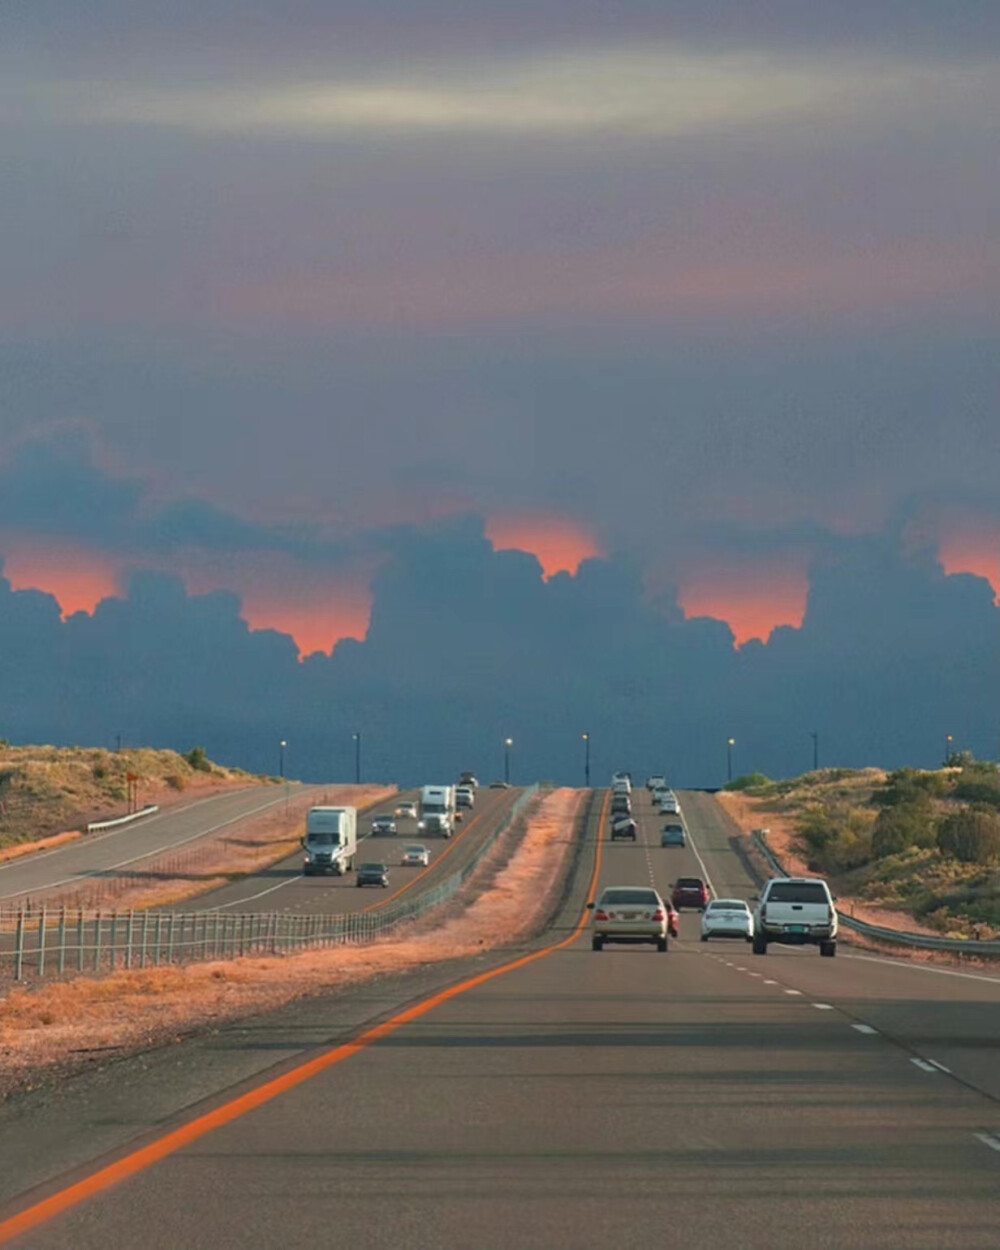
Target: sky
[{"x": 698, "y": 297}]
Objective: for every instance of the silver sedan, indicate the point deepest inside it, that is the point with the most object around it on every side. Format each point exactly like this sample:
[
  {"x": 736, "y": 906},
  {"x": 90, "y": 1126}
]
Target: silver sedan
[{"x": 727, "y": 917}]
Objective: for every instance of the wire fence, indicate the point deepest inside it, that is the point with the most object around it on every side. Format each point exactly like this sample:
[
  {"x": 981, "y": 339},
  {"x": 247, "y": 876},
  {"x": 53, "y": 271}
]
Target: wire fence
[{"x": 39, "y": 943}]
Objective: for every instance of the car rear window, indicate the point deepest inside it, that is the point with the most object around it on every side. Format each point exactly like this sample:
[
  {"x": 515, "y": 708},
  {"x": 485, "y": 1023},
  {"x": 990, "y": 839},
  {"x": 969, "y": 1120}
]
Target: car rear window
[
  {"x": 628, "y": 896},
  {"x": 728, "y": 904},
  {"x": 797, "y": 892},
  {"x": 689, "y": 883}
]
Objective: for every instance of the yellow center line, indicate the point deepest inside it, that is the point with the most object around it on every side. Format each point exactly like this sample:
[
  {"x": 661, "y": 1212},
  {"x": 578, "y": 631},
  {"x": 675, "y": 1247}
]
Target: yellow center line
[{"x": 176, "y": 1139}]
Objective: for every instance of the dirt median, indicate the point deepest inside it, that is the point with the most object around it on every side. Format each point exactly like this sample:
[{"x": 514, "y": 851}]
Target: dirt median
[{"x": 64, "y": 1026}]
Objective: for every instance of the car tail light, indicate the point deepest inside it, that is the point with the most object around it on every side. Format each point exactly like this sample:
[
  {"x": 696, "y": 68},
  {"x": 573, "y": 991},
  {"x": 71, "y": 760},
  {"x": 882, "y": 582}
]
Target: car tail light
[
  {"x": 600, "y": 915},
  {"x": 658, "y": 914}
]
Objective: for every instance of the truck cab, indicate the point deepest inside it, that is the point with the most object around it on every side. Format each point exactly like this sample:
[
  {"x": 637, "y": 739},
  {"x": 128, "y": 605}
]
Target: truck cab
[{"x": 331, "y": 840}]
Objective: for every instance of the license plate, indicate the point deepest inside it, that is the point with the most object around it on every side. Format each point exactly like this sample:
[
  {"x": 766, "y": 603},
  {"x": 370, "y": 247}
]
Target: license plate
[
  {"x": 795, "y": 928},
  {"x": 629, "y": 915}
]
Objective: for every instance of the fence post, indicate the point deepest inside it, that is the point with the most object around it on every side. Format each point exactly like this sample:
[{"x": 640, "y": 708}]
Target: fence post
[
  {"x": 114, "y": 938},
  {"x": 98, "y": 925},
  {"x": 19, "y": 947},
  {"x": 129, "y": 932},
  {"x": 62, "y": 940},
  {"x": 145, "y": 932},
  {"x": 41, "y": 942},
  {"x": 170, "y": 938},
  {"x": 79, "y": 940},
  {"x": 157, "y": 931}
]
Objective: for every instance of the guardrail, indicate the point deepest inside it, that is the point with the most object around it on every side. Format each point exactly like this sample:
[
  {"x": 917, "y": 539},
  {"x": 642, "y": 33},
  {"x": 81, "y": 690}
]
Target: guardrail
[
  {"x": 43, "y": 943},
  {"x": 882, "y": 933},
  {"x": 149, "y": 810}
]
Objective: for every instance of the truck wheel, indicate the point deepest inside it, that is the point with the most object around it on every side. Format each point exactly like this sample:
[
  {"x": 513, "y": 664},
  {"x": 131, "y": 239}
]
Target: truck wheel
[
  {"x": 759, "y": 945},
  {"x": 597, "y": 944},
  {"x": 828, "y": 948}
]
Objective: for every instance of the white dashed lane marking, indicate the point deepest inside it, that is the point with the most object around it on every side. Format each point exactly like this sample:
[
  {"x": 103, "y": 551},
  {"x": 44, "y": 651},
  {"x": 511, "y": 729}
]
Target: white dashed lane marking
[
  {"x": 988, "y": 1139},
  {"x": 864, "y": 1028},
  {"x": 823, "y": 1006},
  {"x": 923, "y": 1065}
]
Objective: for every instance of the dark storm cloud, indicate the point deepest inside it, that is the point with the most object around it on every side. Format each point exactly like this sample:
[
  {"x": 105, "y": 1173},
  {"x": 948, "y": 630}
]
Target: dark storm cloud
[{"x": 447, "y": 673}]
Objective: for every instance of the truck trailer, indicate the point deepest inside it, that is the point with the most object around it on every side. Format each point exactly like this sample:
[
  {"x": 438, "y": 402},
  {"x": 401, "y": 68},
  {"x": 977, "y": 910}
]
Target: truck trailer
[{"x": 331, "y": 840}]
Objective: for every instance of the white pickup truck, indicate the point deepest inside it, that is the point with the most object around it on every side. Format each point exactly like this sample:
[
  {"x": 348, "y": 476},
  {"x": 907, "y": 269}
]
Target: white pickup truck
[{"x": 795, "y": 911}]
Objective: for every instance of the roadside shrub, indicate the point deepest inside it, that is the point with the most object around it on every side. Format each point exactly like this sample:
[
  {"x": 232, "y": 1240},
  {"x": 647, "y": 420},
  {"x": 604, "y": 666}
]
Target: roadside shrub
[
  {"x": 977, "y": 785},
  {"x": 749, "y": 781},
  {"x": 898, "y": 828},
  {"x": 908, "y": 785},
  {"x": 971, "y": 836},
  {"x": 99, "y": 772},
  {"x": 175, "y": 781},
  {"x": 199, "y": 760}
]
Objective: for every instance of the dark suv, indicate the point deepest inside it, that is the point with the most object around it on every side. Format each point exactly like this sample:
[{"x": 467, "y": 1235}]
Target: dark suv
[
  {"x": 690, "y": 892},
  {"x": 373, "y": 874}
]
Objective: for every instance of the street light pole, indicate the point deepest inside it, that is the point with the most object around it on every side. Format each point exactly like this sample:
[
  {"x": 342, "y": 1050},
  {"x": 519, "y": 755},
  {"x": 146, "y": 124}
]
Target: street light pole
[
  {"x": 281, "y": 758},
  {"x": 815, "y": 737},
  {"x": 507, "y": 744},
  {"x": 586, "y": 761},
  {"x": 357, "y": 757},
  {"x": 730, "y": 743},
  {"x": 948, "y": 740}
]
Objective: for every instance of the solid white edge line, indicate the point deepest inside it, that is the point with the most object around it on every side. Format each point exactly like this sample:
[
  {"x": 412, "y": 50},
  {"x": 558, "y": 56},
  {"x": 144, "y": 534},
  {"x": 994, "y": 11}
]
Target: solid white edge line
[
  {"x": 172, "y": 846},
  {"x": 697, "y": 854},
  {"x": 915, "y": 967},
  {"x": 940, "y": 1066}
]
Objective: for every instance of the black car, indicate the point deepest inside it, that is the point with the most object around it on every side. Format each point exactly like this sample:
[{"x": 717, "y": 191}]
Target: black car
[{"x": 373, "y": 874}]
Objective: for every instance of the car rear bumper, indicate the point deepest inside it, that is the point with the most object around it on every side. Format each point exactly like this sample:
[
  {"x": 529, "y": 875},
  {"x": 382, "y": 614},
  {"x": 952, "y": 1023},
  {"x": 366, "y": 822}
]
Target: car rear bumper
[
  {"x": 612, "y": 933},
  {"x": 813, "y": 937}
]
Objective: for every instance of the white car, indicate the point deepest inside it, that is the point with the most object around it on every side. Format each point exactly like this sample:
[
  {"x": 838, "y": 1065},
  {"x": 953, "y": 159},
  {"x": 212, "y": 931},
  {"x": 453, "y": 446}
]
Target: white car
[
  {"x": 657, "y": 782},
  {"x": 670, "y": 807},
  {"x": 416, "y": 856},
  {"x": 629, "y": 913},
  {"x": 727, "y": 917},
  {"x": 407, "y": 809}
]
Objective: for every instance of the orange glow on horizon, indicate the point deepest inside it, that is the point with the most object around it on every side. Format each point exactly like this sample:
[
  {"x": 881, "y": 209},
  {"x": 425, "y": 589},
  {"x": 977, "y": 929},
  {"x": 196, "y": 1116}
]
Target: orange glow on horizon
[
  {"x": 314, "y": 626},
  {"x": 79, "y": 578},
  {"x": 559, "y": 545},
  {"x": 752, "y": 601},
  {"x": 976, "y": 552}
]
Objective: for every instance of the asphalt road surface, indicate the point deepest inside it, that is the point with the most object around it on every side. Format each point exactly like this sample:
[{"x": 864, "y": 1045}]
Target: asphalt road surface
[
  {"x": 128, "y": 845},
  {"x": 282, "y": 886},
  {"x": 702, "y": 1096}
]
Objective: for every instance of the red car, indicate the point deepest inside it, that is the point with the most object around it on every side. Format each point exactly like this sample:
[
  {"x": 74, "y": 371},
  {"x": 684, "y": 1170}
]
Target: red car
[
  {"x": 690, "y": 892},
  {"x": 673, "y": 919}
]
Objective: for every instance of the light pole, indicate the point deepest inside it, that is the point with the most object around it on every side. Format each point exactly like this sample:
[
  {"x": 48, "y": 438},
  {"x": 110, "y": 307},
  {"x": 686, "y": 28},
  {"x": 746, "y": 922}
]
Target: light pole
[
  {"x": 815, "y": 737},
  {"x": 507, "y": 744},
  {"x": 281, "y": 758},
  {"x": 730, "y": 743},
  {"x": 357, "y": 757},
  {"x": 948, "y": 740},
  {"x": 586, "y": 760}
]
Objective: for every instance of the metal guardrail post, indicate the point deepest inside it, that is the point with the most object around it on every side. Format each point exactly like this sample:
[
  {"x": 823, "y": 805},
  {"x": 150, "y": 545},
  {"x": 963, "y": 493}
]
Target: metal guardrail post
[{"x": 61, "y": 940}]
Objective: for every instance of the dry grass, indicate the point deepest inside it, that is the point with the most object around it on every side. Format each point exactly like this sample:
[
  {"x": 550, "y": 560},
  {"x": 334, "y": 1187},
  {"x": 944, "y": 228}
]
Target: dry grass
[
  {"x": 43, "y": 844},
  {"x": 45, "y": 790},
  {"x": 54, "y": 1028},
  {"x": 230, "y": 854}
]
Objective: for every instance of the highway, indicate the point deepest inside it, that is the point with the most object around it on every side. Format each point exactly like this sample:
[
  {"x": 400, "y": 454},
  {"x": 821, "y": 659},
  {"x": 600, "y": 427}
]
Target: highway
[
  {"x": 112, "y": 849},
  {"x": 553, "y": 1097},
  {"x": 282, "y": 886}
]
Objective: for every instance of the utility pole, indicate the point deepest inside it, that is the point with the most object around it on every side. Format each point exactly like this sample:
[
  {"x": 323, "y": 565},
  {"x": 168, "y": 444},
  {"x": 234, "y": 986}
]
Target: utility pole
[
  {"x": 730, "y": 743},
  {"x": 815, "y": 737},
  {"x": 586, "y": 761},
  {"x": 357, "y": 757},
  {"x": 507, "y": 744}
]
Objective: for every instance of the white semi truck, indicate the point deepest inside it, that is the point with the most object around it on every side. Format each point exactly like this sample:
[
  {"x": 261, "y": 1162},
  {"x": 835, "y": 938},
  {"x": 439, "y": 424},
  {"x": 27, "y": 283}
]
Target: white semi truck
[
  {"x": 437, "y": 810},
  {"x": 331, "y": 840}
]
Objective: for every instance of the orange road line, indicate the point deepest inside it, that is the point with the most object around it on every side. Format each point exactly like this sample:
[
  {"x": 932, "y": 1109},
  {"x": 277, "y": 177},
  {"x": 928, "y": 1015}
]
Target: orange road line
[
  {"x": 176, "y": 1139},
  {"x": 453, "y": 842}
]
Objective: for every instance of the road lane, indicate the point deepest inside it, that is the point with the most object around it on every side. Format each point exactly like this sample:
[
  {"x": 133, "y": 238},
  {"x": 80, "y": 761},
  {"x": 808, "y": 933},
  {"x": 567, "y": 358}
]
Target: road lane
[
  {"x": 168, "y": 830},
  {"x": 627, "y": 1096},
  {"x": 283, "y": 887}
]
